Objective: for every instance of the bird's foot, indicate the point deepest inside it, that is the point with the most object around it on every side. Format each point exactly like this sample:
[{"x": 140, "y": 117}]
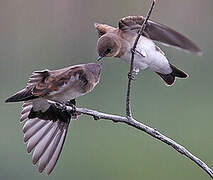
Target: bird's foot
[
  {"x": 61, "y": 106},
  {"x": 74, "y": 113},
  {"x": 133, "y": 75},
  {"x": 72, "y": 104}
]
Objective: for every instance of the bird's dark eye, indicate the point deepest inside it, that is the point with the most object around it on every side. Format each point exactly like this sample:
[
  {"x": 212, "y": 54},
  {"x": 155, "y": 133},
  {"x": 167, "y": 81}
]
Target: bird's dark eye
[{"x": 109, "y": 50}]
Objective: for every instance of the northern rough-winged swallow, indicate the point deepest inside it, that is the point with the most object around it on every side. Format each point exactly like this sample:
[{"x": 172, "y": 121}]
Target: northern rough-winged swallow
[
  {"x": 46, "y": 126},
  {"x": 118, "y": 42}
]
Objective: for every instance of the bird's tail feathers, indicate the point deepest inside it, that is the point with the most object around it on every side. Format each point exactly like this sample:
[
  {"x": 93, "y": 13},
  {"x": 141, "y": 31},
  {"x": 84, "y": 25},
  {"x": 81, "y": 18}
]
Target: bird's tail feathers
[{"x": 169, "y": 79}]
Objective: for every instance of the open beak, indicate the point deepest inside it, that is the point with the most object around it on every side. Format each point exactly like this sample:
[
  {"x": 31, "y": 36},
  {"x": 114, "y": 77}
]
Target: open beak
[{"x": 99, "y": 58}]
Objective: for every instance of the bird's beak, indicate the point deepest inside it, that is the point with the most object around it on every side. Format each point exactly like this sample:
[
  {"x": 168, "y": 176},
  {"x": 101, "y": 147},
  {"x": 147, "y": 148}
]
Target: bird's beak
[{"x": 99, "y": 58}]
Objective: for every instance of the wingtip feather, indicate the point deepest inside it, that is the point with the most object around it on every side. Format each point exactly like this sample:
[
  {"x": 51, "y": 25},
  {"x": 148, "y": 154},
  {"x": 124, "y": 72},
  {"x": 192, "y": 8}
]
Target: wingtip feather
[{"x": 7, "y": 100}]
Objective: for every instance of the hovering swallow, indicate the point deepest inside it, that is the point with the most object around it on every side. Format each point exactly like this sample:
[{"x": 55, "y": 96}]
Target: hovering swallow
[
  {"x": 46, "y": 126},
  {"x": 118, "y": 42}
]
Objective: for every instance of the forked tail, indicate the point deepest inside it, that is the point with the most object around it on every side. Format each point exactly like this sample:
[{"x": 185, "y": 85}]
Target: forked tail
[{"x": 169, "y": 79}]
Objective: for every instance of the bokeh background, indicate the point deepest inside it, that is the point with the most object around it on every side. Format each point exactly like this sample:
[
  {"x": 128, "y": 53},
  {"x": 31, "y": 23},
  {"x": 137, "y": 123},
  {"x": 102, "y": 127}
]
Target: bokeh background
[{"x": 40, "y": 34}]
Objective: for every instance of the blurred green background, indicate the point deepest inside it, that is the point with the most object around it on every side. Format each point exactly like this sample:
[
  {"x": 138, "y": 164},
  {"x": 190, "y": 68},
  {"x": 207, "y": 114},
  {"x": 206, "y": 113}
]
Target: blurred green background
[{"x": 39, "y": 34}]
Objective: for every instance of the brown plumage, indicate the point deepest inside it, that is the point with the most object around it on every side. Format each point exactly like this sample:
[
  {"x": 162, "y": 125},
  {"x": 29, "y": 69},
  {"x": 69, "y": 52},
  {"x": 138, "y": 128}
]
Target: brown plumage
[
  {"x": 154, "y": 31},
  {"x": 117, "y": 42},
  {"x": 46, "y": 125},
  {"x": 55, "y": 84}
]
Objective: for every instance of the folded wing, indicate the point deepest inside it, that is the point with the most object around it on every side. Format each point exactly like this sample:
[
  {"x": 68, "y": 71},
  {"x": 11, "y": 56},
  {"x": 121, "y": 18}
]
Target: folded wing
[{"x": 35, "y": 83}]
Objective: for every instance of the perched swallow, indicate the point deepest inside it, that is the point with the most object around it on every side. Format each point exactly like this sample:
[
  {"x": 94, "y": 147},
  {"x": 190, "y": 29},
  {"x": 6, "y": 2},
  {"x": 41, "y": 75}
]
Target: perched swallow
[
  {"x": 46, "y": 126},
  {"x": 118, "y": 42}
]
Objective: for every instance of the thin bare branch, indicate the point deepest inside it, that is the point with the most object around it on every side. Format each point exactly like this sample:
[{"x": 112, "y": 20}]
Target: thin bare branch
[
  {"x": 140, "y": 126},
  {"x": 131, "y": 121},
  {"x": 151, "y": 131},
  {"x": 140, "y": 32}
]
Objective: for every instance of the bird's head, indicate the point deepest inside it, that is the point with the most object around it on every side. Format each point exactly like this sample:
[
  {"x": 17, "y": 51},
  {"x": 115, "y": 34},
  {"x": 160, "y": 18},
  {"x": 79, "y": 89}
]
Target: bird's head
[{"x": 108, "y": 46}]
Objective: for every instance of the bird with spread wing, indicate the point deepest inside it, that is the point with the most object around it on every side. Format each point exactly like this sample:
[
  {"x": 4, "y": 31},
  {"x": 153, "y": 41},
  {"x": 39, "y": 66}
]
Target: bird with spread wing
[{"x": 46, "y": 125}]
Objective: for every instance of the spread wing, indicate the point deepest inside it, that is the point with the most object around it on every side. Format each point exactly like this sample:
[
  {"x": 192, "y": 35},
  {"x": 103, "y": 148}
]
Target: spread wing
[
  {"x": 46, "y": 125},
  {"x": 158, "y": 32},
  {"x": 45, "y": 136}
]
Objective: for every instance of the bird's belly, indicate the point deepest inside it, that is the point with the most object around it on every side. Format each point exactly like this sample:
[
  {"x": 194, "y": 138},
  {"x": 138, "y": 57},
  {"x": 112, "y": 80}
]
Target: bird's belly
[
  {"x": 159, "y": 63},
  {"x": 140, "y": 62},
  {"x": 65, "y": 96},
  {"x": 149, "y": 58}
]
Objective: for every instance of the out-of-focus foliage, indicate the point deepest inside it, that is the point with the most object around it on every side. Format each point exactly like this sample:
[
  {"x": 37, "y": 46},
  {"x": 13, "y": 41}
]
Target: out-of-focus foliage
[{"x": 53, "y": 34}]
